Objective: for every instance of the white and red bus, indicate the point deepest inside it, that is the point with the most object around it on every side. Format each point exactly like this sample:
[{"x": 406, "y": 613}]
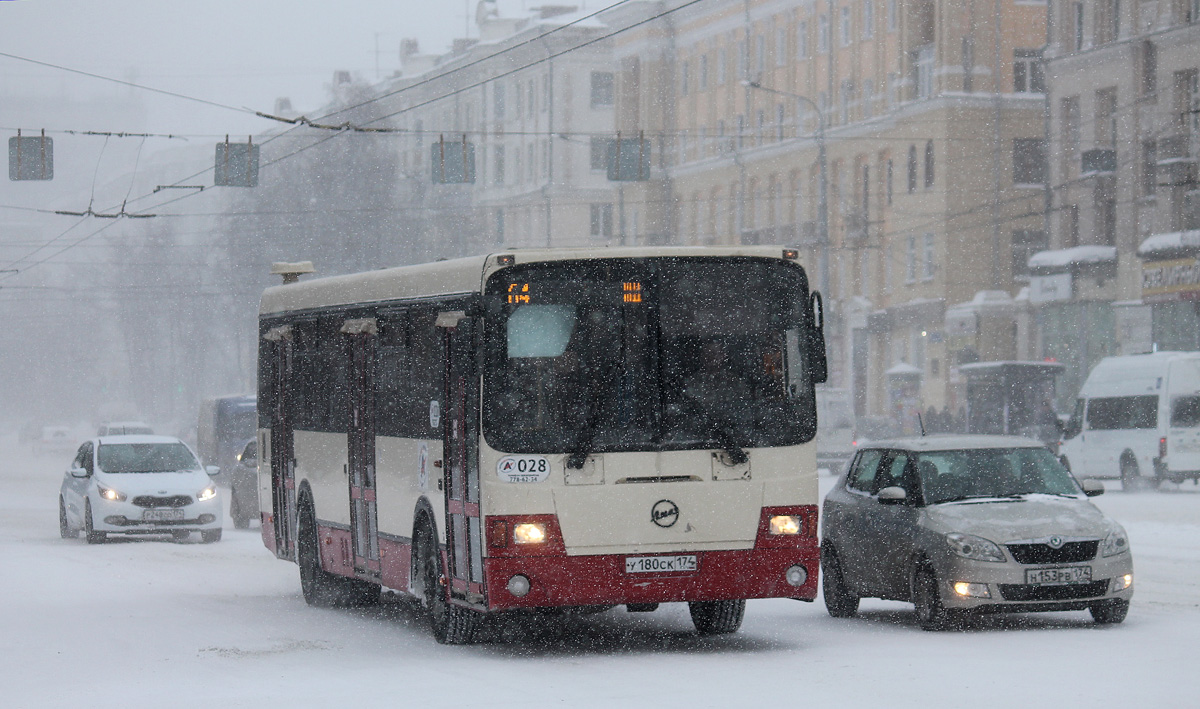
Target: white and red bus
[{"x": 546, "y": 429}]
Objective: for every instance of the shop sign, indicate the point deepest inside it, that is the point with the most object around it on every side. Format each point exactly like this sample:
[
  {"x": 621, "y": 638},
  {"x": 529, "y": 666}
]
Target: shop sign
[
  {"x": 1167, "y": 281},
  {"x": 1047, "y": 289}
]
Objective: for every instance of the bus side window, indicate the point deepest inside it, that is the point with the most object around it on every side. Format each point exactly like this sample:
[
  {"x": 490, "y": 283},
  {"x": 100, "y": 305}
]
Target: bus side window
[{"x": 797, "y": 368}]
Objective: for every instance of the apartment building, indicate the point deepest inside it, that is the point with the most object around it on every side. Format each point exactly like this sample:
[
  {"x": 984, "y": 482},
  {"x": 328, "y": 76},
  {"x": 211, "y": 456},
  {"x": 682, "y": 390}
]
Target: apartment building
[
  {"x": 1122, "y": 274},
  {"x": 931, "y": 115}
]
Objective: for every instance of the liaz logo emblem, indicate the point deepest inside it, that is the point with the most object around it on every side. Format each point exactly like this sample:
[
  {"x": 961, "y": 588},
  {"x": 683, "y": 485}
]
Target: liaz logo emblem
[
  {"x": 1056, "y": 542},
  {"x": 664, "y": 513}
]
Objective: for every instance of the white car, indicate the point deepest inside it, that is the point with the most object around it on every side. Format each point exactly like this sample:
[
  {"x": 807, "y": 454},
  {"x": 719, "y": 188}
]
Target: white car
[{"x": 138, "y": 485}]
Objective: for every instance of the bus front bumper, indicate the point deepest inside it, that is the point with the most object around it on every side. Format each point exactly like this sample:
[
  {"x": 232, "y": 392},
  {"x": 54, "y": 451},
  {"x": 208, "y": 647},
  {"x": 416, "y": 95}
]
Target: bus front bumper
[{"x": 596, "y": 580}]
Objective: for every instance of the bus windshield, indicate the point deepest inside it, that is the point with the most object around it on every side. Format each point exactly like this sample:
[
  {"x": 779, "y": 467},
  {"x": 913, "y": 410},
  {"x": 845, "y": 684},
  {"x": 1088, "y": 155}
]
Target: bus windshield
[{"x": 653, "y": 354}]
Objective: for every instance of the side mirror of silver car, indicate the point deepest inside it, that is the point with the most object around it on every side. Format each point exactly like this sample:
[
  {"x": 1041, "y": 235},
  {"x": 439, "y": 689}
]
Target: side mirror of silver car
[
  {"x": 212, "y": 470},
  {"x": 1091, "y": 488},
  {"x": 892, "y": 495},
  {"x": 78, "y": 472}
]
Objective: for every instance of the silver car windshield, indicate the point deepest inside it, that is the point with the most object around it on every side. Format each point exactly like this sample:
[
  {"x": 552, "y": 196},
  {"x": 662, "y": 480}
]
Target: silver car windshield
[
  {"x": 145, "y": 458},
  {"x": 952, "y": 475}
]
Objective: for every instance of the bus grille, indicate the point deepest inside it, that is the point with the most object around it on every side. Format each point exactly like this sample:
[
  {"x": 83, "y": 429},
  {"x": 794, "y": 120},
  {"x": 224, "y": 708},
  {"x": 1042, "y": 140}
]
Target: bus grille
[
  {"x": 170, "y": 501},
  {"x": 1045, "y": 554}
]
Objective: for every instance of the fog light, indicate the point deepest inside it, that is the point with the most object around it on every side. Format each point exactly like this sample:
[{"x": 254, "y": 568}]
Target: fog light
[
  {"x": 518, "y": 585},
  {"x": 205, "y": 519},
  {"x": 785, "y": 524},
  {"x": 1121, "y": 583},
  {"x": 972, "y": 590},
  {"x": 120, "y": 519},
  {"x": 796, "y": 575}
]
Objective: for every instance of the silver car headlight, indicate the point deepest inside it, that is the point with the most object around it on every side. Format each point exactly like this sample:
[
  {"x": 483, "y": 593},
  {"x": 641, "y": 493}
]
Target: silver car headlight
[
  {"x": 207, "y": 493},
  {"x": 1117, "y": 542},
  {"x": 969, "y": 546}
]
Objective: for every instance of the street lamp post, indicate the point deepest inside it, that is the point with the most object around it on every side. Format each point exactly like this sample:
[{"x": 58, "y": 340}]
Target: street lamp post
[{"x": 823, "y": 202}]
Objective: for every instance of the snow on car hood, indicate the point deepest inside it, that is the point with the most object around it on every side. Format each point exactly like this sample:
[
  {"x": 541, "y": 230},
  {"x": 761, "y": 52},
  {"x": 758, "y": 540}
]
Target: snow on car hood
[
  {"x": 1029, "y": 517},
  {"x": 186, "y": 482}
]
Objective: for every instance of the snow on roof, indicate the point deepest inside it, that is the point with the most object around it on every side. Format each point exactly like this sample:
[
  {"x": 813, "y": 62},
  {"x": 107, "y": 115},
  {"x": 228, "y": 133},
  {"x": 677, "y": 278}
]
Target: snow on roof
[
  {"x": 1168, "y": 243},
  {"x": 1074, "y": 256},
  {"x": 902, "y": 368}
]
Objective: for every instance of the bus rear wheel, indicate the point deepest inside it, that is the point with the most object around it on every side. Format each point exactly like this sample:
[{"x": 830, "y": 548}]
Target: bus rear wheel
[
  {"x": 717, "y": 617},
  {"x": 451, "y": 624},
  {"x": 321, "y": 588}
]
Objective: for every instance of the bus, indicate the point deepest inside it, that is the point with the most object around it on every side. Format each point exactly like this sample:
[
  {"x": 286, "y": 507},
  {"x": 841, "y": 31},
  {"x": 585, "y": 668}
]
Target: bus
[{"x": 547, "y": 430}]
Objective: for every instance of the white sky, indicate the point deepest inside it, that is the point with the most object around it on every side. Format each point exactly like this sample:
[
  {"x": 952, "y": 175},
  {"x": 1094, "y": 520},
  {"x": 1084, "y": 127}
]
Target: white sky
[{"x": 235, "y": 52}]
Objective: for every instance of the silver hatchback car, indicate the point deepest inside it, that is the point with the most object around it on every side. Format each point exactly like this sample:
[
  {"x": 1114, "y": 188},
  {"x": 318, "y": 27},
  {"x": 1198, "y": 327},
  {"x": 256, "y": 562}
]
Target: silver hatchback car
[{"x": 970, "y": 524}]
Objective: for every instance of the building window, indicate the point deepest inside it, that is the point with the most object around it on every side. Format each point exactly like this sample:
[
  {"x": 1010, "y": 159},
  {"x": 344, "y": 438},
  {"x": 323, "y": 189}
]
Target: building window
[
  {"x": 1149, "y": 171},
  {"x": 868, "y": 29},
  {"x": 929, "y": 260},
  {"x": 1149, "y": 69},
  {"x": 893, "y": 84},
  {"x": 1077, "y": 16},
  {"x": 779, "y": 115},
  {"x": 760, "y": 55},
  {"x": 722, "y": 65},
  {"x": 780, "y": 46},
  {"x": 925, "y": 72},
  {"x": 1028, "y": 75},
  {"x": 846, "y": 97},
  {"x": 910, "y": 271},
  {"x": 802, "y": 40},
  {"x": 1108, "y": 21},
  {"x": 601, "y": 220},
  {"x": 683, "y": 78},
  {"x": 602, "y": 89},
  {"x": 1106, "y": 219},
  {"x": 868, "y": 100},
  {"x": 929, "y": 164},
  {"x": 518, "y": 100},
  {"x": 1069, "y": 135},
  {"x": 1026, "y": 243},
  {"x": 912, "y": 168},
  {"x": 1029, "y": 161},
  {"x": 889, "y": 181},
  {"x": 498, "y": 101},
  {"x": 742, "y": 58},
  {"x": 845, "y": 26},
  {"x": 823, "y": 33},
  {"x": 703, "y": 72},
  {"x": 1186, "y": 107},
  {"x": 892, "y": 19},
  {"x": 1106, "y": 117},
  {"x": 498, "y": 165}
]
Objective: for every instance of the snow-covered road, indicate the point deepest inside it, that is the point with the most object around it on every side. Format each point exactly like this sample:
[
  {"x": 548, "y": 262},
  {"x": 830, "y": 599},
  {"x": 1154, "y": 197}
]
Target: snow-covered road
[{"x": 154, "y": 623}]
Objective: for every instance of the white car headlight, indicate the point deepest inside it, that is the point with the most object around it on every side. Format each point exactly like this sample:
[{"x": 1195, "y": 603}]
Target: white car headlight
[
  {"x": 207, "y": 493},
  {"x": 969, "y": 546},
  {"x": 1116, "y": 543},
  {"x": 107, "y": 493}
]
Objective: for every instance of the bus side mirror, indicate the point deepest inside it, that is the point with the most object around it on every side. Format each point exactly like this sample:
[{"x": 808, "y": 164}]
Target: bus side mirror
[{"x": 818, "y": 364}]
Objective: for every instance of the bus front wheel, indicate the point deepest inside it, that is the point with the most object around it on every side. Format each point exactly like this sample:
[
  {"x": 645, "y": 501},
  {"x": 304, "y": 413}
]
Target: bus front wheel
[
  {"x": 452, "y": 625},
  {"x": 717, "y": 617}
]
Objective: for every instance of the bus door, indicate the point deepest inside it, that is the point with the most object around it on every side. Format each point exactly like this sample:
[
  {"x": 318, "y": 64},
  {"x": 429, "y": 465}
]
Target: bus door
[
  {"x": 360, "y": 443},
  {"x": 283, "y": 479},
  {"x": 460, "y": 450}
]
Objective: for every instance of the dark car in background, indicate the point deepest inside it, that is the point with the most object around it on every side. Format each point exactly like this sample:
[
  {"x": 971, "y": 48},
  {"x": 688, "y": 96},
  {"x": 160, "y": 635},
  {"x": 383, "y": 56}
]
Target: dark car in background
[{"x": 224, "y": 426}]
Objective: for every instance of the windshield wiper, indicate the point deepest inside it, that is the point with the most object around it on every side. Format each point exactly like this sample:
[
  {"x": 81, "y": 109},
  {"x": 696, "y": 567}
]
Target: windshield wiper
[
  {"x": 596, "y": 406},
  {"x": 982, "y": 498}
]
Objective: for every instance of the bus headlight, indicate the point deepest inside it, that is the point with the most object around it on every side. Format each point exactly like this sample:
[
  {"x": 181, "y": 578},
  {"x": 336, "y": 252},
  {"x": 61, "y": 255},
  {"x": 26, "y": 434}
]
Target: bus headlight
[
  {"x": 785, "y": 524},
  {"x": 529, "y": 533}
]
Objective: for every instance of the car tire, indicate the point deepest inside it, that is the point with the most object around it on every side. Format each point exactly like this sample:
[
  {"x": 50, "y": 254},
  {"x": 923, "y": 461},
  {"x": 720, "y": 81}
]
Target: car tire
[
  {"x": 321, "y": 588},
  {"x": 1131, "y": 479},
  {"x": 840, "y": 601},
  {"x": 240, "y": 520},
  {"x": 64, "y": 527},
  {"x": 717, "y": 617},
  {"x": 1109, "y": 612},
  {"x": 90, "y": 533},
  {"x": 451, "y": 624},
  {"x": 209, "y": 536},
  {"x": 927, "y": 600}
]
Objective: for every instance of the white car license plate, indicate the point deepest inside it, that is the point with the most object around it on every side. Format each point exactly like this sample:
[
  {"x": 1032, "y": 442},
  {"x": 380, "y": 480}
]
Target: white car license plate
[
  {"x": 659, "y": 564},
  {"x": 1059, "y": 576},
  {"x": 162, "y": 515}
]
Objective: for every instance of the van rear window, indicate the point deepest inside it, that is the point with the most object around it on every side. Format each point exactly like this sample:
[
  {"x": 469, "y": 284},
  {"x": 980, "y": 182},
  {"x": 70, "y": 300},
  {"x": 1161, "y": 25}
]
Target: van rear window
[
  {"x": 1185, "y": 411},
  {"x": 1113, "y": 413}
]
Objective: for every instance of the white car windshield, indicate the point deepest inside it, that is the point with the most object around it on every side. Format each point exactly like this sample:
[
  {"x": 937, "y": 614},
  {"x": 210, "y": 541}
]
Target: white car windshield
[
  {"x": 992, "y": 472},
  {"x": 146, "y": 458}
]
